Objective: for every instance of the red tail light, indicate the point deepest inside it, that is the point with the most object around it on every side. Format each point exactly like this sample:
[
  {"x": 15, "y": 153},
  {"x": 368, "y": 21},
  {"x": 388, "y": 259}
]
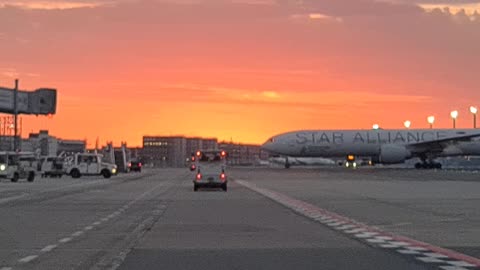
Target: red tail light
[
  {"x": 193, "y": 167},
  {"x": 223, "y": 176},
  {"x": 129, "y": 164},
  {"x": 199, "y": 176},
  {"x": 140, "y": 164}
]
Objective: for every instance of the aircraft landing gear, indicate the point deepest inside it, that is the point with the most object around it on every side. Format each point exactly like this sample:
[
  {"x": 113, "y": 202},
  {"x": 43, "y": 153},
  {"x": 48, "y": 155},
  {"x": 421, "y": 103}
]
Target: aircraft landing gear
[{"x": 287, "y": 164}]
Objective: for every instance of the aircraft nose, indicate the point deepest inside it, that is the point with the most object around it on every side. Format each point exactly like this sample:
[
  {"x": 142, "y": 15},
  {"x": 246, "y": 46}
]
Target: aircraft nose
[
  {"x": 265, "y": 146},
  {"x": 268, "y": 145}
]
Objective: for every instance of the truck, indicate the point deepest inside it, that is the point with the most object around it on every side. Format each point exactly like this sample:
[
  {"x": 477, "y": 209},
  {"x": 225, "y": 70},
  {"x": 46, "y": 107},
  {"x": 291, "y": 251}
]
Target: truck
[
  {"x": 86, "y": 164},
  {"x": 52, "y": 166},
  {"x": 210, "y": 169},
  {"x": 18, "y": 165}
]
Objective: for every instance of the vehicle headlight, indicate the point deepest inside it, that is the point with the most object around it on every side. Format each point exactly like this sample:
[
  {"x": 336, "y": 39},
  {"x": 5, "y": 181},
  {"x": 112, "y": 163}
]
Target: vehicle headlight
[
  {"x": 114, "y": 170},
  {"x": 3, "y": 167}
]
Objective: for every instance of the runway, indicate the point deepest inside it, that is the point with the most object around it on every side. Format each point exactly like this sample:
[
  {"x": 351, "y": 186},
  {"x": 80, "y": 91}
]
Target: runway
[{"x": 269, "y": 219}]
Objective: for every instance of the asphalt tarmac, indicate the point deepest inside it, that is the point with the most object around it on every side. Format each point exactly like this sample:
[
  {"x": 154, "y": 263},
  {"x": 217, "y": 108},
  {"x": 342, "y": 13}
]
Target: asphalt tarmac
[{"x": 269, "y": 219}]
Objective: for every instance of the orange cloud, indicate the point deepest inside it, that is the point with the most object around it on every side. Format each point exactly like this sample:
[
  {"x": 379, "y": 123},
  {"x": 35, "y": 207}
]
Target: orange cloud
[
  {"x": 51, "y": 5},
  {"x": 470, "y": 9}
]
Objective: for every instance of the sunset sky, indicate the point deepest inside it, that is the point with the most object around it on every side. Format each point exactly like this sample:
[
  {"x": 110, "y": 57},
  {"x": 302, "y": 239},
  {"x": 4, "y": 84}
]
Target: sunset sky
[{"x": 241, "y": 69}]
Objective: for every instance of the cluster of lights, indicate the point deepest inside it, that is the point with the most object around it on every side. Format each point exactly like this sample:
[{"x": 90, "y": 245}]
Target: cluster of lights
[{"x": 431, "y": 119}]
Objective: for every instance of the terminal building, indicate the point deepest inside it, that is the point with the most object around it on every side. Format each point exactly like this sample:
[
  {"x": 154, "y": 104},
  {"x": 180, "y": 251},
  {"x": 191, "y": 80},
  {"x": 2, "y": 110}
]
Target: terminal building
[
  {"x": 44, "y": 144},
  {"x": 175, "y": 151},
  {"x": 165, "y": 151}
]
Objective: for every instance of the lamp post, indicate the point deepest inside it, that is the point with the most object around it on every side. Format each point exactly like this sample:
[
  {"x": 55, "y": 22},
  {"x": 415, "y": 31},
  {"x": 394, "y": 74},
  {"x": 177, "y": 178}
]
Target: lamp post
[
  {"x": 431, "y": 120},
  {"x": 454, "y": 115},
  {"x": 474, "y": 111},
  {"x": 407, "y": 124}
]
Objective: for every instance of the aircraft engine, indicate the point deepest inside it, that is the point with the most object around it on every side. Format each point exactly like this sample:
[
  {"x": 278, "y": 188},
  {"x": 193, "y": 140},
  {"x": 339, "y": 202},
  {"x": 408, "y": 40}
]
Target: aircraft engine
[{"x": 391, "y": 154}]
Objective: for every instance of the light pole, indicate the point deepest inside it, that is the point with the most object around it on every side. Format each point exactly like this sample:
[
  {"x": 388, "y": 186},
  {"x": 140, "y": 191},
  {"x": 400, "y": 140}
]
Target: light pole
[
  {"x": 431, "y": 120},
  {"x": 15, "y": 117},
  {"x": 454, "y": 115},
  {"x": 407, "y": 124},
  {"x": 474, "y": 111}
]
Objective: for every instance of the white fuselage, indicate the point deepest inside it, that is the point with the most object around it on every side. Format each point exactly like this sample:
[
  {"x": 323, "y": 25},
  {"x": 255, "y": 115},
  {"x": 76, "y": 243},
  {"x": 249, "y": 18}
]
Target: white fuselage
[{"x": 340, "y": 143}]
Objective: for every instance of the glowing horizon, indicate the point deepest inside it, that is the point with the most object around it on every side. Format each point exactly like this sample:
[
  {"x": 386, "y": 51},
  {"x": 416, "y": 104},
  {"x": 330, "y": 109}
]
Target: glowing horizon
[{"x": 242, "y": 70}]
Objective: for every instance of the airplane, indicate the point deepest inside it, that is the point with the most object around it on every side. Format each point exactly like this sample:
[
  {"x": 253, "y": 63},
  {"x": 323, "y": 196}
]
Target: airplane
[{"x": 381, "y": 145}]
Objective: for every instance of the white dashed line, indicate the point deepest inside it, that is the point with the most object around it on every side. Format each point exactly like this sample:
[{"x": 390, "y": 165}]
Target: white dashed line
[
  {"x": 76, "y": 234},
  {"x": 461, "y": 263},
  {"x": 28, "y": 259},
  {"x": 87, "y": 228},
  {"x": 336, "y": 224},
  {"x": 435, "y": 255},
  {"x": 358, "y": 230},
  {"x": 375, "y": 241},
  {"x": 400, "y": 244},
  {"x": 48, "y": 248},
  {"x": 328, "y": 220},
  {"x": 65, "y": 240},
  {"x": 386, "y": 238},
  {"x": 366, "y": 234},
  {"x": 408, "y": 251},
  {"x": 452, "y": 268},
  {"x": 389, "y": 246},
  {"x": 345, "y": 227},
  {"x": 430, "y": 260},
  {"x": 417, "y": 248}
]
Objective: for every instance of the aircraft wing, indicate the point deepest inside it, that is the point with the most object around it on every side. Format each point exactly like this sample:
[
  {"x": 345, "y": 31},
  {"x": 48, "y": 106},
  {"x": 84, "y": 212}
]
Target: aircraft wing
[{"x": 437, "y": 146}]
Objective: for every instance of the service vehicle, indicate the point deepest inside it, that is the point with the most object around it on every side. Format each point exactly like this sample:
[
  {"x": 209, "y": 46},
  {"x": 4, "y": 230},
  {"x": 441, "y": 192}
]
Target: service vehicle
[
  {"x": 52, "y": 166},
  {"x": 86, "y": 164},
  {"x": 135, "y": 166},
  {"x": 18, "y": 165},
  {"x": 210, "y": 166}
]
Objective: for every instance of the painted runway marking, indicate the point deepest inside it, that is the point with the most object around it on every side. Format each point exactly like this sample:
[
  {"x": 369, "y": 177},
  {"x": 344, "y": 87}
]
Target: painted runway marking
[
  {"x": 375, "y": 240},
  {"x": 430, "y": 260},
  {"x": 435, "y": 255},
  {"x": 65, "y": 240},
  {"x": 373, "y": 236},
  {"x": 28, "y": 259},
  {"x": 408, "y": 251},
  {"x": 76, "y": 234},
  {"x": 48, "y": 248},
  {"x": 452, "y": 268},
  {"x": 462, "y": 264},
  {"x": 13, "y": 198}
]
